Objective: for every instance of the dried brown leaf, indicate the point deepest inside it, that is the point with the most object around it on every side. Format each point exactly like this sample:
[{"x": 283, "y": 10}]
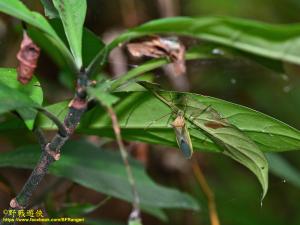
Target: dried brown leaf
[
  {"x": 158, "y": 47},
  {"x": 27, "y": 56}
]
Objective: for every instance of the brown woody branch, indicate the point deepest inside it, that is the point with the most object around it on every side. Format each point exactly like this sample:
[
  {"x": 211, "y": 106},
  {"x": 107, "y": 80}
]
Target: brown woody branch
[{"x": 51, "y": 150}]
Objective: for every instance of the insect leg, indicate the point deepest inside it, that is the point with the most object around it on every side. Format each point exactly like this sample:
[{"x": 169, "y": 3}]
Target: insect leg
[{"x": 154, "y": 121}]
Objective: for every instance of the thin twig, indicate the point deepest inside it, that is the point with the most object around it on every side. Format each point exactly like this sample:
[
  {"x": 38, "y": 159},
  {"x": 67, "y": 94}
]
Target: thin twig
[
  {"x": 168, "y": 8},
  {"x": 51, "y": 151},
  {"x": 135, "y": 214},
  {"x": 41, "y": 137},
  {"x": 214, "y": 219},
  {"x": 104, "y": 201},
  {"x": 61, "y": 127}
]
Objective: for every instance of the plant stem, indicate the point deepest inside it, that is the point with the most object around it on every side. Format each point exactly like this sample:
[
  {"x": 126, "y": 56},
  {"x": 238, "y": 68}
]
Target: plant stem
[
  {"x": 151, "y": 65},
  {"x": 135, "y": 213},
  {"x": 41, "y": 137},
  {"x": 61, "y": 127},
  {"x": 51, "y": 151},
  {"x": 214, "y": 219}
]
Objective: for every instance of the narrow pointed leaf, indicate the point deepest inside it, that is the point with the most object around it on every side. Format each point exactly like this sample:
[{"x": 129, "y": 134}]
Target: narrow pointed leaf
[
  {"x": 91, "y": 44},
  {"x": 103, "y": 97},
  {"x": 72, "y": 14},
  {"x": 50, "y": 10}
]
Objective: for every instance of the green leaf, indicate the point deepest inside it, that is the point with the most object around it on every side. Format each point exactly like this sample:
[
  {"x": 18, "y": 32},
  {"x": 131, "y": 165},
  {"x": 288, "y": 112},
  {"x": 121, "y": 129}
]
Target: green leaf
[
  {"x": 282, "y": 168},
  {"x": 78, "y": 209},
  {"x": 32, "y": 89},
  {"x": 155, "y": 212},
  {"x": 72, "y": 14},
  {"x": 60, "y": 110},
  {"x": 47, "y": 45},
  {"x": 91, "y": 45},
  {"x": 135, "y": 222},
  {"x": 50, "y": 10},
  {"x": 142, "y": 117},
  {"x": 103, "y": 97},
  {"x": 16, "y": 96},
  {"x": 13, "y": 99},
  {"x": 11, "y": 123},
  {"x": 227, "y": 137},
  {"x": 280, "y": 42},
  {"x": 102, "y": 171},
  {"x": 17, "y": 9}
]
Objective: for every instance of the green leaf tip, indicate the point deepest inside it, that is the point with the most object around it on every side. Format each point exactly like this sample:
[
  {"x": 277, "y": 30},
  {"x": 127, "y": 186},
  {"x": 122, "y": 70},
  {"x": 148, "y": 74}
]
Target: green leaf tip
[
  {"x": 50, "y": 10},
  {"x": 102, "y": 96},
  {"x": 135, "y": 222},
  {"x": 72, "y": 14}
]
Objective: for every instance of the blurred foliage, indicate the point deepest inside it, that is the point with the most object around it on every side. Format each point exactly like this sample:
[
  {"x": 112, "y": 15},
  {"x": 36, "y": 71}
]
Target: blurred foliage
[
  {"x": 267, "y": 10},
  {"x": 240, "y": 79}
]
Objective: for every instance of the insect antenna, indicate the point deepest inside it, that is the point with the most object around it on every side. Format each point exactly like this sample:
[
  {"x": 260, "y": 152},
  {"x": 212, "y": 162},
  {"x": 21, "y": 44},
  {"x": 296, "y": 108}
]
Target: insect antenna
[{"x": 154, "y": 121}]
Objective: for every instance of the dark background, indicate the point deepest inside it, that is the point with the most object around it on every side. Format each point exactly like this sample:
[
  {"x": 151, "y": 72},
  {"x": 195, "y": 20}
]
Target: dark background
[{"x": 238, "y": 80}]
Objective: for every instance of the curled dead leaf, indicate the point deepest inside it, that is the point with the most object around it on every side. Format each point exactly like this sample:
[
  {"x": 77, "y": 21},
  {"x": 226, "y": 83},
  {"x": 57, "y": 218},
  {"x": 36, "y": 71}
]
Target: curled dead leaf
[
  {"x": 27, "y": 56},
  {"x": 158, "y": 47}
]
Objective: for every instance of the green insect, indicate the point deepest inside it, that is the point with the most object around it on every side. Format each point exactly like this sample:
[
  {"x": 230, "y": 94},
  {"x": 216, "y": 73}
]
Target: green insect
[
  {"x": 179, "y": 124},
  {"x": 182, "y": 135}
]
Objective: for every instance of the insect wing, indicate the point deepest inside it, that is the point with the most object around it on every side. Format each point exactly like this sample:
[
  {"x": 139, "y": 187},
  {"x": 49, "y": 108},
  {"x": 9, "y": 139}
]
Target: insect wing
[
  {"x": 187, "y": 146},
  {"x": 184, "y": 141},
  {"x": 186, "y": 150}
]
